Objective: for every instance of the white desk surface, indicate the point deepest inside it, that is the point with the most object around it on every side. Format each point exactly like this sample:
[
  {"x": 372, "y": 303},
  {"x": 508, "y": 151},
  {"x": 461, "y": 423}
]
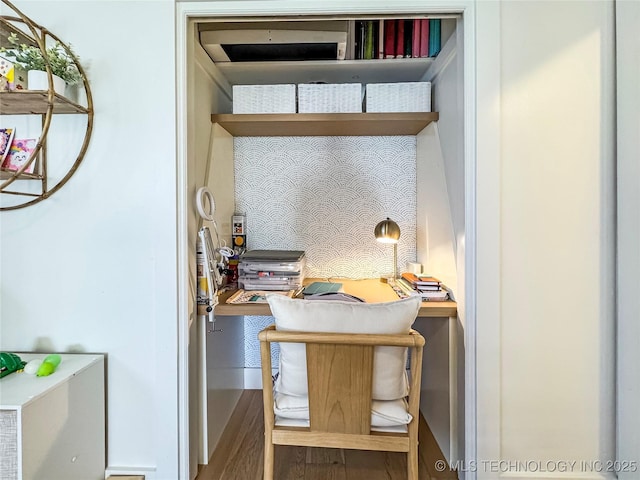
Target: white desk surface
[{"x": 18, "y": 388}]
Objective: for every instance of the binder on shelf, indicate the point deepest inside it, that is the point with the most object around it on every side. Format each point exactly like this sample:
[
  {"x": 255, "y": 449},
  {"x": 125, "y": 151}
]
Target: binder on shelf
[
  {"x": 408, "y": 38},
  {"x": 368, "y": 40},
  {"x": 415, "y": 43},
  {"x": 359, "y": 36},
  {"x": 390, "y": 38},
  {"x": 424, "y": 37},
  {"x": 399, "y": 38},
  {"x": 434, "y": 37},
  {"x": 381, "y": 39}
]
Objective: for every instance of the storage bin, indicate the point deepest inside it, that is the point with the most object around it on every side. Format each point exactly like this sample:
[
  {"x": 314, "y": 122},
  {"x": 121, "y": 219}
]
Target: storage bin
[
  {"x": 330, "y": 98},
  {"x": 399, "y": 97},
  {"x": 264, "y": 98}
]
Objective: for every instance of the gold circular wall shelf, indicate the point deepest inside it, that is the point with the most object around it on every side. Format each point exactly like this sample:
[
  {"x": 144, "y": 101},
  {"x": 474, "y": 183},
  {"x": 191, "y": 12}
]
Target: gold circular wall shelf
[{"x": 45, "y": 103}]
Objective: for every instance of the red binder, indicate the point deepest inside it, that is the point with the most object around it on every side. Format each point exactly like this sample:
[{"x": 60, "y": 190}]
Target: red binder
[
  {"x": 415, "y": 49},
  {"x": 390, "y": 38},
  {"x": 424, "y": 37},
  {"x": 399, "y": 38}
]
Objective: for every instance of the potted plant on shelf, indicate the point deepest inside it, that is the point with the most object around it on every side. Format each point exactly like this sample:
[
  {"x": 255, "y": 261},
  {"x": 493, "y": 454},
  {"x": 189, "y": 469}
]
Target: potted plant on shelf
[{"x": 32, "y": 59}]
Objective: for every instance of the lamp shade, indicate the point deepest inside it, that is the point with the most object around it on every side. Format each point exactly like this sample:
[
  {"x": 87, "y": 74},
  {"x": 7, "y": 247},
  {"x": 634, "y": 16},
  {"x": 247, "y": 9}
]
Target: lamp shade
[{"x": 387, "y": 231}]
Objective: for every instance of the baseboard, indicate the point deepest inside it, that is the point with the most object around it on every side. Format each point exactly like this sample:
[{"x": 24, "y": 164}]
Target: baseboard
[{"x": 253, "y": 378}]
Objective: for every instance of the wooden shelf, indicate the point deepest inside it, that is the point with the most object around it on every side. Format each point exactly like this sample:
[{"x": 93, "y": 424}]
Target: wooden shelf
[
  {"x": 324, "y": 124},
  {"x": 7, "y": 174},
  {"x": 7, "y": 28},
  {"x": 27, "y": 102}
]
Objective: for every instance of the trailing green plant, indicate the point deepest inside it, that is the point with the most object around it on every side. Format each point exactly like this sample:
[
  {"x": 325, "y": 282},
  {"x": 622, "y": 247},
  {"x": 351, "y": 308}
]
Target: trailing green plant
[{"x": 32, "y": 58}]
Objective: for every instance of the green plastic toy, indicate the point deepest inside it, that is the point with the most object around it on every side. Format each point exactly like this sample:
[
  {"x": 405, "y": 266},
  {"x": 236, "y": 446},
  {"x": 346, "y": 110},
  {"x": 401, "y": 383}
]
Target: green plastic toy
[
  {"x": 9, "y": 363},
  {"x": 49, "y": 365}
]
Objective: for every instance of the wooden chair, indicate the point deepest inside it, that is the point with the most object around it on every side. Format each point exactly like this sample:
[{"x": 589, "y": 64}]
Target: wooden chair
[{"x": 339, "y": 376}]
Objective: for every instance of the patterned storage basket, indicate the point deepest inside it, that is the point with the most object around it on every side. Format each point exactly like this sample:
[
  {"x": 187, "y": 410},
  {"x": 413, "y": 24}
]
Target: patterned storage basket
[
  {"x": 264, "y": 98},
  {"x": 330, "y": 98},
  {"x": 399, "y": 97}
]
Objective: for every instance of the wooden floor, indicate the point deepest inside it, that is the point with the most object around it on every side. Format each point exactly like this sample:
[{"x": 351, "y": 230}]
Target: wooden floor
[{"x": 239, "y": 454}]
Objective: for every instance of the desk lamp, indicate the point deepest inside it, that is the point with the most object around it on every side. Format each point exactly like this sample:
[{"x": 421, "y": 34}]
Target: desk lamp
[{"x": 388, "y": 231}]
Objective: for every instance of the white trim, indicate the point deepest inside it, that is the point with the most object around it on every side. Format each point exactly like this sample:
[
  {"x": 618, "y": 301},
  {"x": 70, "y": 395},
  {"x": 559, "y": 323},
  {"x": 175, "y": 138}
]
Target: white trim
[
  {"x": 628, "y": 233},
  {"x": 182, "y": 239},
  {"x": 454, "y": 404},
  {"x": 222, "y": 8},
  {"x": 482, "y": 332}
]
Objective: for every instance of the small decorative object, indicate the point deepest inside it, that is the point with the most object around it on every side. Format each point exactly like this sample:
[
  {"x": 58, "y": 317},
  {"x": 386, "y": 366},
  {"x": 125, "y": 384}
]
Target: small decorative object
[
  {"x": 6, "y": 137},
  {"x": 48, "y": 365},
  {"x": 19, "y": 153},
  {"x": 388, "y": 231},
  {"x": 61, "y": 60},
  {"x": 12, "y": 76},
  {"x": 9, "y": 363}
]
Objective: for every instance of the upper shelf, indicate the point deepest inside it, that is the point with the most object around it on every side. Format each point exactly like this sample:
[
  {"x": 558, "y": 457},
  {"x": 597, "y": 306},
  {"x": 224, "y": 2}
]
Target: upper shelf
[
  {"x": 327, "y": 71},
  {"x": 324, "y": 124},
  {"x": 25, "y": 102}
]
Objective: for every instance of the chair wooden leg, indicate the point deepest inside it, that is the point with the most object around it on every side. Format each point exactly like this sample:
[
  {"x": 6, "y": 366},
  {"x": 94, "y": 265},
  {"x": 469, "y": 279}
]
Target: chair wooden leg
[
  {"x": 412, "y": 463},
  {"x": 268, "y": 458}
]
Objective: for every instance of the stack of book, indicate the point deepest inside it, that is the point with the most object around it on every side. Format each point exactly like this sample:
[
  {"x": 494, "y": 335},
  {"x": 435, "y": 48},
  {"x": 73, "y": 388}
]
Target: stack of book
[
  {"x": 402, "y": 38},
  {"x": 430, "y": 289}
]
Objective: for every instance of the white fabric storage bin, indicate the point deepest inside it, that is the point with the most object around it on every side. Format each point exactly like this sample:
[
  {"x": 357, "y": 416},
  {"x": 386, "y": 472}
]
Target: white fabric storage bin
[
  {"x": 330, "y": 98},
  {"x": 264, "y": 98},
  {"x": 399, "y": 97}
]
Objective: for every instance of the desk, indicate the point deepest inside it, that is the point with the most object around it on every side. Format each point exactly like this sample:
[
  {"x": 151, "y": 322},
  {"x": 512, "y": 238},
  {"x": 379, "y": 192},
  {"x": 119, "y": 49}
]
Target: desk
[
  {"x": 372, "y": 290},
  {"x": 227, "y": 365}
]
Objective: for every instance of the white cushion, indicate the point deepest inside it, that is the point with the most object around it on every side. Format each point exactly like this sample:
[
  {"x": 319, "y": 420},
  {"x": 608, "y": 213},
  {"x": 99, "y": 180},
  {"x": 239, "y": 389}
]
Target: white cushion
[
  {"x": 389, "y": 363},
  {"x": 384, "y": 413}
]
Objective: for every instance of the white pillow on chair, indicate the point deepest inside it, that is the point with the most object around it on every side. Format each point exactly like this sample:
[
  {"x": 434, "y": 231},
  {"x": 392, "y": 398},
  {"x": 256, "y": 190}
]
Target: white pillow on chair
[{"x": 389, "y": 363}]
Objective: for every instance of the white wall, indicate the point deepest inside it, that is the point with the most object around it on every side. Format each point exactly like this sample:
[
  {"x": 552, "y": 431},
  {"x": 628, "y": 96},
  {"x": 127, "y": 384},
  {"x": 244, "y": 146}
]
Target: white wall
[
  {"x": 93, "y": 268},
  {"x": 628, "y": 123},
  {"x": 546, "y": 378}
]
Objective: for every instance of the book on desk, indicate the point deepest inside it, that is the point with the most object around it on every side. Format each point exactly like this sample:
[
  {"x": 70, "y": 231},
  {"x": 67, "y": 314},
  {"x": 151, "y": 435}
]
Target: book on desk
[{"x": 429, "y": 289}]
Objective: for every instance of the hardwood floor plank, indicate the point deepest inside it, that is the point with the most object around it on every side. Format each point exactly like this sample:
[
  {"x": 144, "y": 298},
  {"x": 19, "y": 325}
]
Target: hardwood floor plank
[
  {"x": 325, "y": 456},
  {"x": 239, "y": 454},
  {"x": 363, "y": 464},
  {"x": 325, "y": 472},
  {"x": 290, "y": 463}
]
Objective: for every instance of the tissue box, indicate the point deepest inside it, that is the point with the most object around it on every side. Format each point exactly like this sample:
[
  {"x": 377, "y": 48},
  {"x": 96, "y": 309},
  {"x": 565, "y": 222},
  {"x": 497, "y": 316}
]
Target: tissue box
[
  {"x": 399, "y": 97},
  {"x": 264, "y": 98},
  {"x": 330, "y": 98}
]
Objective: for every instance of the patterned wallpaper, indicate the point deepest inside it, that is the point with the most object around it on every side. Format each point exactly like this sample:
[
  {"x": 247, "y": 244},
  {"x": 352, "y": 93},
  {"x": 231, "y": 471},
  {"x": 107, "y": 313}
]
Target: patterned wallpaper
[{"x": 324, "y": 195}]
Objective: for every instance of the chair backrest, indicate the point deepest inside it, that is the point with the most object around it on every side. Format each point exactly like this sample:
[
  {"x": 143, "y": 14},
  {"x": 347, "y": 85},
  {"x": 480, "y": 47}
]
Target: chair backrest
[
  {"x": 340, "y": 376},
  {"x": 389, "y": 376},
  {"x": 339, "y": 379}
]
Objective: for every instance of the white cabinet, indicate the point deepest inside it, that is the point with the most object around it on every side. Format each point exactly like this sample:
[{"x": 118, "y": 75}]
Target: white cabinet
[{"x": 53, "y": 427}]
